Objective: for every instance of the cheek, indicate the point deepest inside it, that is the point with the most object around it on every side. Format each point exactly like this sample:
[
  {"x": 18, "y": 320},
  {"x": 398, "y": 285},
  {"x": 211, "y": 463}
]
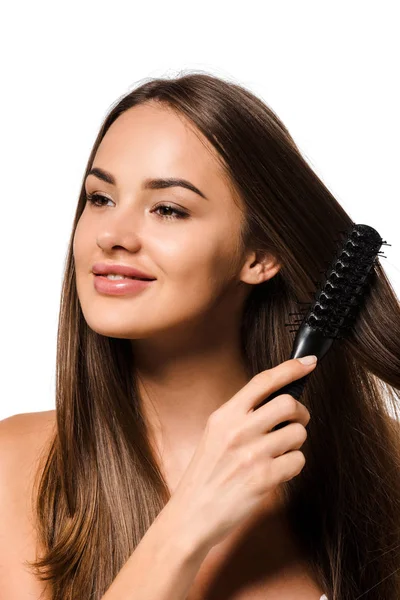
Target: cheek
[
  {"x": 77, "y": 242},
  {"x": 82, "y": 251},
  {"x": 75, "y": 247},
  {"x": 197, "y": 278},
  {"x": 82, "y": 247},
  {"x": 201, "y": 263},
  {"x": 190, "y": 264}
]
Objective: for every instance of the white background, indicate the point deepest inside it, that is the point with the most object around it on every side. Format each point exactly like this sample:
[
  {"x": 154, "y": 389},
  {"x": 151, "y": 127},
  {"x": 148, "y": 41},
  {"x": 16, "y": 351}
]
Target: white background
[{"x": 329, "y": 70}]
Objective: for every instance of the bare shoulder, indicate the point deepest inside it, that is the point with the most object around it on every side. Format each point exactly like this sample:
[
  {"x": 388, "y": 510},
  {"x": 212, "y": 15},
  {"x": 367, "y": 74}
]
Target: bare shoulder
[
  {"x": 16, "y": 427},
  {"x": 24, "y": 439}
]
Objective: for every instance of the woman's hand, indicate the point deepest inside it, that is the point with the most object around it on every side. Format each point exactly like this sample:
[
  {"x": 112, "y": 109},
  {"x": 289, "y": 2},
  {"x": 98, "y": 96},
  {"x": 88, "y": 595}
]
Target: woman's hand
[{"x": 239, "y": 460}]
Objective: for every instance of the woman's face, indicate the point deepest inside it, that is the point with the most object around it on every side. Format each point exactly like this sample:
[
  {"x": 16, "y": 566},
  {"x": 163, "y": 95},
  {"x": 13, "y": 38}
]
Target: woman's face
[{"x": 194, "y": 259}]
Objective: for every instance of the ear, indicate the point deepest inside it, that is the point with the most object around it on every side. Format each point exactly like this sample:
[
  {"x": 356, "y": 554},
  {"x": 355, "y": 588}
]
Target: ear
[{"x": 259, "y": 267}]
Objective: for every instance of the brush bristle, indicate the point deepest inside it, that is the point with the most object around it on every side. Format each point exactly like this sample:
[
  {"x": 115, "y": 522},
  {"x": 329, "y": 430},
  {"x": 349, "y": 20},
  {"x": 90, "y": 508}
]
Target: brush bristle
[{"x": 340, "y": 295}]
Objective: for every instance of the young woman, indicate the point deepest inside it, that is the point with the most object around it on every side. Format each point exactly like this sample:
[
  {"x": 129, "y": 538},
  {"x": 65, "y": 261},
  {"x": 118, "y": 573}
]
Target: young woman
[{"x": 157, "y": 480}]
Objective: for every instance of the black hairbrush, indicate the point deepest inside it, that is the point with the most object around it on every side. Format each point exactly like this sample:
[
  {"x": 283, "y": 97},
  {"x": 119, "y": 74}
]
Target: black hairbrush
[{"x": 336, "y": 303}]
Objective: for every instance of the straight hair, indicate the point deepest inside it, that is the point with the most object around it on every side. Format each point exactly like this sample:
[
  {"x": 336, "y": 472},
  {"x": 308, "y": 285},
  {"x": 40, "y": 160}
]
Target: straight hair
[{"x": 100, "y": 484}]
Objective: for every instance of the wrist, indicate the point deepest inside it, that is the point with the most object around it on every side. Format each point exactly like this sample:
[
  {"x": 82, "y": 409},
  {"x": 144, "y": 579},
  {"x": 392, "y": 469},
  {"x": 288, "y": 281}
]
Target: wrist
[{"x": 184, "y": 535}]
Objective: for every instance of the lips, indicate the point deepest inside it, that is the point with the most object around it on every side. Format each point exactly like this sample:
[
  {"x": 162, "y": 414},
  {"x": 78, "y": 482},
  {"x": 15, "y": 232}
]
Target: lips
[
  {"x": 120, "y": 287},
  {"x": 110, "y": 268}
]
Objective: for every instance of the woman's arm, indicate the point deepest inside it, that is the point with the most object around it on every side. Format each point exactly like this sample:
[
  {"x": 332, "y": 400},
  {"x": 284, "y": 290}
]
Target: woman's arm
[{"x": 164, "y": 564}]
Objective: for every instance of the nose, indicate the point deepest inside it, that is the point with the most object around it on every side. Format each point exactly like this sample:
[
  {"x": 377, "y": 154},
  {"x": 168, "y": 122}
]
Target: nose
[{"x": 119, "y": 230}]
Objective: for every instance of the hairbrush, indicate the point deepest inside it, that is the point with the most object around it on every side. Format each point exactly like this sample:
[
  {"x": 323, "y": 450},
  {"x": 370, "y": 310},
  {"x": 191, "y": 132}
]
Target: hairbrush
[{"x": 337, "y": 301}]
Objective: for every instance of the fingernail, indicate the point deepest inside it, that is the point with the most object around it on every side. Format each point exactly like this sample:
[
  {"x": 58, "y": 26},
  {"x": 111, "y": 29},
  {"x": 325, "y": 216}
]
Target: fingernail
[{"x": 308, "y": 360}]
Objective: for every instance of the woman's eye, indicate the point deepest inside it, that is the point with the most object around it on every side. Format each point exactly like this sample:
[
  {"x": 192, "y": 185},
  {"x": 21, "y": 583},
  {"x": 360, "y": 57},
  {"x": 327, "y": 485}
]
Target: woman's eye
[
  {"x": 179, "y": 214},
  {"x": 95, "y": 198},
  {"x": 98, "y": 200}
]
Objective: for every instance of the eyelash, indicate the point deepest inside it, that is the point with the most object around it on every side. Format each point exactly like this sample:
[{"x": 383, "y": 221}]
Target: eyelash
[{"x": 179, "y": 214}]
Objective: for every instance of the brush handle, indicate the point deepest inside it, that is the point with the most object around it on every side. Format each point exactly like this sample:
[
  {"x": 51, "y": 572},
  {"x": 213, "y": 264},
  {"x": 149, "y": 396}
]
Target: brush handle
[
  {"x": 294, "y": 388},
  {"x": 307, "y": 341}
]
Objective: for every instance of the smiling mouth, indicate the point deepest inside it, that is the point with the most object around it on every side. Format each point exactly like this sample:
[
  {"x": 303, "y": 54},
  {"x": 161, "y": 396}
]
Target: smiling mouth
[{"x": 123, "y": 277}]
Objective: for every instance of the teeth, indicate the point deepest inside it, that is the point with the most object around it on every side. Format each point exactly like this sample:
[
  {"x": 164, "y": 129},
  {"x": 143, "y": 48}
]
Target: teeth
[{"x": 114, "y": 276}]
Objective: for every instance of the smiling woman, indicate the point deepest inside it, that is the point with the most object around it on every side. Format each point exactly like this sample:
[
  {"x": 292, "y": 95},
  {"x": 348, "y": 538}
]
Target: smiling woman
[{"x": 147, "y": 369}]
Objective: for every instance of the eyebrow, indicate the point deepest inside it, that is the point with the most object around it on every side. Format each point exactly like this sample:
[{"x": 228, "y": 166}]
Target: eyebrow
[{"x": 149, "y": 183}]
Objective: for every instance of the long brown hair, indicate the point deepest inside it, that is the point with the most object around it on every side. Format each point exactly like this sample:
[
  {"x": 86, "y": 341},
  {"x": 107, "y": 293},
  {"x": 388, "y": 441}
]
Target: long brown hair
[{"x": 101, "y": 486}]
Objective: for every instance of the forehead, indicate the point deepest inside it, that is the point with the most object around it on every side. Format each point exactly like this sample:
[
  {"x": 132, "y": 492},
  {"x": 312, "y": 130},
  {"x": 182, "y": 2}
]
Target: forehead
[{"x": 153, "y": 141}]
